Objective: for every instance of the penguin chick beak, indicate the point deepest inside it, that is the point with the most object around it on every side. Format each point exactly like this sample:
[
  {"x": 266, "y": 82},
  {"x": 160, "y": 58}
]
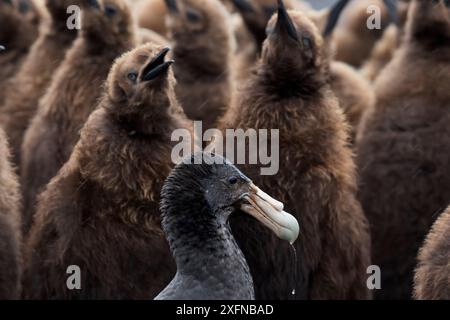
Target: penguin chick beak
[
  {"x": 270, "y": 213},
  {"x": 157, "y": 66},
  {"x": 284, "y": 23},
  {"x": 243, "y": 6},
  {"x": 172, "y": 5}
]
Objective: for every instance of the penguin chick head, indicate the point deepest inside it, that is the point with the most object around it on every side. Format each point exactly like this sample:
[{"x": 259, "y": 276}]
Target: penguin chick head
[
  {"x": 193, "y": 23},
  {"x": 256, "y": 14},
  {"x": 429, "y": 23},
  {"x": 140, "y": 80},
  {"x": 294, "y": 45},
  {"x": 108, "y": 21}
]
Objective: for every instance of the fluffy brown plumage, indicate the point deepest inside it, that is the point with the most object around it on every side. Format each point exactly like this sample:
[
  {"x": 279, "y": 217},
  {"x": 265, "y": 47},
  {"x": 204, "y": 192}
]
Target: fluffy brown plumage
[
  {"x": 354, "y": 41},
  {"x": 201, "y": 33},
  {"x": 17, "y": 33},
  {"x": 432, "y": 278},
  {"x": 256, "y": 13},
  {"x": 355, "y": 94},
  {"x": 146, "y": 35},
  {"x": 382, "y": 53},
  {"x": 107, "y": 33},
  {"x": 35, "y": 74},
  {"x": 290, "y": 91},
  {"x": 404, "y": 151},
  {"x": 10, "y": 235},
  {"x": 101, "y": 211}
]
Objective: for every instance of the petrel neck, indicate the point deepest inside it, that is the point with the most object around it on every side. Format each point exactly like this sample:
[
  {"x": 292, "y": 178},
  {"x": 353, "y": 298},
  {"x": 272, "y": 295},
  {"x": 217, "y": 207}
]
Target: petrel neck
[{"x": 202, "y": 246}]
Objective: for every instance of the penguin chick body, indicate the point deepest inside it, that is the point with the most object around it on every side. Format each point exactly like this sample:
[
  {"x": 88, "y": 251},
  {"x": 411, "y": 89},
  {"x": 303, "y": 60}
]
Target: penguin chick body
[{"x": 101, "y": 211}]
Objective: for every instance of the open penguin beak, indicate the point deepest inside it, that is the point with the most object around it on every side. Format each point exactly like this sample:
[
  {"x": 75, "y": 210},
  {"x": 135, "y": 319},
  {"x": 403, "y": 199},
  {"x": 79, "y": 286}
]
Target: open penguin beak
[
  {"x": 172, "y": 5},
  {"x": 270, "y": 213},
  {"x": 157, "y": 66},
  {"x": 284, "y": 23}
]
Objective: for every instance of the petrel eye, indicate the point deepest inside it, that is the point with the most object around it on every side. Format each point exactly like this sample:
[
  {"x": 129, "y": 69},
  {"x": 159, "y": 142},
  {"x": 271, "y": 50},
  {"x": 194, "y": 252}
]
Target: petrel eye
[
  {"x": 232, "y": 180},
  {"x": 110, "y": 11},
  {"x": 132, "y": 76}
]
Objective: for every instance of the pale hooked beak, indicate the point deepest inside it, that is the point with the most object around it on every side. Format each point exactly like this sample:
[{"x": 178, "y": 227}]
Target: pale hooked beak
[{"x": 270, "y": 212}]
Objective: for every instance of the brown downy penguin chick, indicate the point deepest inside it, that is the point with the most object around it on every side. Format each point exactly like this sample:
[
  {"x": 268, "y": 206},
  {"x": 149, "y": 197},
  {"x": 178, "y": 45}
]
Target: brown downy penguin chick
[
  {"x": 34, "y": 75},
  {"x": 17, "y": 34},
  {"x": 202, "y": 37},
  {"x": 10, "y": 234},
  {"x": 404, "y": 150},
  {"x": 353, "y": 91},
  {"x": 107, "y": 32},
  {"x": 290, "y": 91},
  {"x": 432, "y": 278},
  {"x": 101, "y": 211}
]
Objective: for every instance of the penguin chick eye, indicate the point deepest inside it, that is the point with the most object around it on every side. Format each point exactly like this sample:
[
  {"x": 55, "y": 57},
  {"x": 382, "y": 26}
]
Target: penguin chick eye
[
  {"x": 110, "y": 11},
  {"x": 307, "y": 42},
  {"x": 193, "y": 15},
  {"x": 132, "y": 76},
  {"x": 232, "y": 180}
]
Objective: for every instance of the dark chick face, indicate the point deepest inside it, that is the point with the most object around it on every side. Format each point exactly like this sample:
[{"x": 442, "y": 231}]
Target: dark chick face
[
  {"x": 293, "y": 38},
  {"x": 108, "y": 18},
  {"x": 189, "y": 19},
  {"x": 141, "y": 75}
]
